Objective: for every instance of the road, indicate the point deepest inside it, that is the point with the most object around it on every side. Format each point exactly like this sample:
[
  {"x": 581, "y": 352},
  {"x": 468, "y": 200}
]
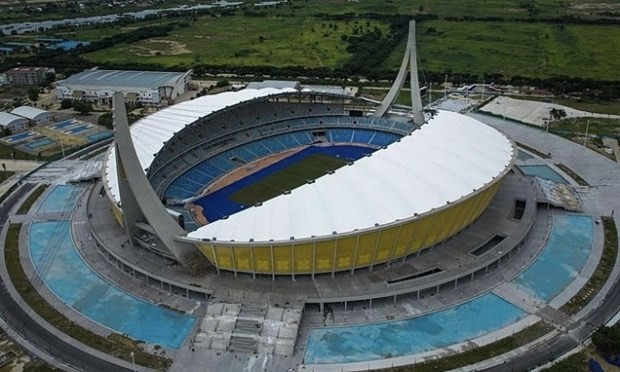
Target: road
[{"x": 21, "y": 322}]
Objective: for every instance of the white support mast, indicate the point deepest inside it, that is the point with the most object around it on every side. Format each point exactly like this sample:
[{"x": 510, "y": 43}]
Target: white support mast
[{"x": 410, "y": 65}]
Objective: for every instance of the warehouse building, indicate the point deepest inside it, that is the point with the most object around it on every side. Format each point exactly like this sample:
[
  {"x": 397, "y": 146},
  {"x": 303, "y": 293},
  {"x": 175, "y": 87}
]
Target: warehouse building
[
  {"x": 150, "y": 88},
  {"x": 14, "y": 123},
  {"x": 34, "y": 115}
]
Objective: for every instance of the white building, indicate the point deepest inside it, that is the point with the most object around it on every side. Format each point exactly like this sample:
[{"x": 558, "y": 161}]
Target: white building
[
  {"x": 151, "y": 88},
  {"x": 34, "y": 115},
  {"x": 15, "y": 123}
]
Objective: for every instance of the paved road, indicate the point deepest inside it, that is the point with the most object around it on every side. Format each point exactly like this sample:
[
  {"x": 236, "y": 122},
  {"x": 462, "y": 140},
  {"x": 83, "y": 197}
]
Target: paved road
[
  {"x": 22, "y": 323},
  {"x": 45, "y": 340}
]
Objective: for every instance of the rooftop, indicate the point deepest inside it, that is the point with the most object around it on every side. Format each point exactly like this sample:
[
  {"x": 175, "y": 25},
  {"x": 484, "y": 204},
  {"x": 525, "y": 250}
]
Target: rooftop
[
  {"x": 6, "y": 118},
  {"x": 28, "y": 112},
  {"x": 24, "y": 69},
  {"x": 447, "y": 159},
  {"x": 277, "y": 84},
  {"x": 120, "y": 78},
  {"x": 150, "y": 133}
]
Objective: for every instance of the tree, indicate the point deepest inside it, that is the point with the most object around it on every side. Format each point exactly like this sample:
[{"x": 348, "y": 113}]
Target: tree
[
  {"x": 106, "y": 120},
  {"x": 607, "y": 339},
  {"x": 557, "y": 114},
  {"x": 33, "y": 94},
  {"x": 66, "y": 104},
  {"x": 50, "y": 77},
  {"x": 82, "y": 107}
]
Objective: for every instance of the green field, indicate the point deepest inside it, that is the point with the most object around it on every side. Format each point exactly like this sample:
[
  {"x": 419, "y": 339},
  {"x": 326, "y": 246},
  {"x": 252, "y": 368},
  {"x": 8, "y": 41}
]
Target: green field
[
  {"x": 523, "y": 49},
  {"x": 245, "y": 41},
  {"x": 506, "y": 48},
  {"x": 289, "y": 178}
]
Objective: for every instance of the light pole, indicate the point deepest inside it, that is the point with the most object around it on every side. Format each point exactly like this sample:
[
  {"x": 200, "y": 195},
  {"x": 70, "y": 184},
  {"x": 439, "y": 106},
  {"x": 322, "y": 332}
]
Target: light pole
[
  {"x": 585, "y": 138},
  {"x": 133, "y": 361}
]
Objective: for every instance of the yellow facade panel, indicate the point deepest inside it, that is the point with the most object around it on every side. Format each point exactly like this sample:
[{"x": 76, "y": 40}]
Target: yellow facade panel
[
  {"x": 283, "y": 257},
  {"x": 366, "y": 249},
  {"x": 358, "y": 250},
  {"x": 224, "y": 257},
  {"x": 386, "y": 243},
  {"x": 324, "y": 256},
  {"x": 345, "y": 252},
  {"x": 262, "y": 260},
  {"x": 304, "y": 256},
  {"x": 243, "y": 259}
]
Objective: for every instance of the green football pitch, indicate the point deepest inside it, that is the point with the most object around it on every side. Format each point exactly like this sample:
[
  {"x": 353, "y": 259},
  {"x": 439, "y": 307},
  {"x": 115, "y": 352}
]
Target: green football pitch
[{"x": 288, "y": 178}]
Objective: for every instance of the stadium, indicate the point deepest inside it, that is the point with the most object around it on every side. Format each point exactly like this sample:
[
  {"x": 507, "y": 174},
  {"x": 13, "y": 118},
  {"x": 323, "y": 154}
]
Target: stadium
[{"x": 286, "y": 182}]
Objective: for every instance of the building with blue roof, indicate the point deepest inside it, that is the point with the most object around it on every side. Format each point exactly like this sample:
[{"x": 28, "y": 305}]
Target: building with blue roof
[{"x": 151, "y": 88}]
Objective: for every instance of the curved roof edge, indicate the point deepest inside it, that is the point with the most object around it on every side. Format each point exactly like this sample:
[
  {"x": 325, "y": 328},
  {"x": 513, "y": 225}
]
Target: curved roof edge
[
  {"x": 447, "y": 160},
  {"x": 149, "y": 134}
]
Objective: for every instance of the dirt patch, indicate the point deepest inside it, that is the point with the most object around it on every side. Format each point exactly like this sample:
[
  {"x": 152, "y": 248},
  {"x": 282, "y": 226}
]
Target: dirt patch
[
  {"x": 160, "y": 48},
  {"x": 597, "y": 6}
]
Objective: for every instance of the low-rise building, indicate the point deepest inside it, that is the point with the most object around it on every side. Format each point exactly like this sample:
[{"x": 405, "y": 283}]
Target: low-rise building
[
  {"x": 150, "y": 88},
  {"x": 28, "y": 76},
  {"x": 14, "y": 123},
  {"x": 34, "y": 115}
]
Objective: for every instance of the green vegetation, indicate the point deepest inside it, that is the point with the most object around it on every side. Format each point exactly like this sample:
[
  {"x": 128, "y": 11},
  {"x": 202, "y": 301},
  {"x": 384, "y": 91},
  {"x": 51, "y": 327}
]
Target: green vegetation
[
  {"x": 514, "y": 49},
  {"x": 479, "y": 354},
  {"x": 5, "y": 175},
  {"x": 607, "y": 339},
  {"x": 32, "y": 198},
  {"x": 245, "y": 41},
  {"x": 596, "y": 126},
  {"x": 601, "y": 107},
  {"x": 572, "y": 174},
  {"x": 533, "y": 150},
  {"x": 575, "y": 363},
  {"x": 602, "y": 272},
  {"x": 115, "y": 344},
  {"x": 288, "y": 178},
  {"x": 6, "y": 151}
]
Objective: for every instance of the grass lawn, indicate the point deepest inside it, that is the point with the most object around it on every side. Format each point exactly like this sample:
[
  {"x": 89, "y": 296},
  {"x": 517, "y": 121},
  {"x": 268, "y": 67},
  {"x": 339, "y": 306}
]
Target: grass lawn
[
  {"x": 524, "y": 49},
  {"x": 32, "y": 198},
  {"x": 245, "y": 41},
  {"x": 601, "y": 127},
  {"x": 288, "y": 178},
  {"x": 601, "y": 107},
  {"x": 5, "y": 175},
  {"x": 5, "y": 153}
]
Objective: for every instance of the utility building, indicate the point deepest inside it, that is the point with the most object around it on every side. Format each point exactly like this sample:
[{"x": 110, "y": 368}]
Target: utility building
[
  {"x": 34, "y": 115},
  {"x": 150, "y": 88},
  {"x": 14, "y": 123}
]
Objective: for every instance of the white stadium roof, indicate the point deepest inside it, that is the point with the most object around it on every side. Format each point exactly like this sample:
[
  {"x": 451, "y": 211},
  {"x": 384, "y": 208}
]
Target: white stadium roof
[
  {"x": 444, "y": 160},
  {"x": 150, "y": 134}
]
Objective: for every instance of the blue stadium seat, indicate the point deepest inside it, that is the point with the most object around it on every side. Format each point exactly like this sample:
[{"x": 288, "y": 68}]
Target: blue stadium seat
[
  {"x": 384, "y": 138},
  {"x": 258, "y": 149},
  {"x": 341, "y": 135},
  {"x": 221, "y": 162},
  {"x": 174, "y": 192},
  {"x": 363, "y": 136},
  {"x": 243, "y": 153},
  {"x": 288, "y": 140}
]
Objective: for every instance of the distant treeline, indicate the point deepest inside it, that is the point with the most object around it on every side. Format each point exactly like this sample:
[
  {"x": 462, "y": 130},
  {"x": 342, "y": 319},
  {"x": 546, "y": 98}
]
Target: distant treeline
[{"x": 369, "y": 50}]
